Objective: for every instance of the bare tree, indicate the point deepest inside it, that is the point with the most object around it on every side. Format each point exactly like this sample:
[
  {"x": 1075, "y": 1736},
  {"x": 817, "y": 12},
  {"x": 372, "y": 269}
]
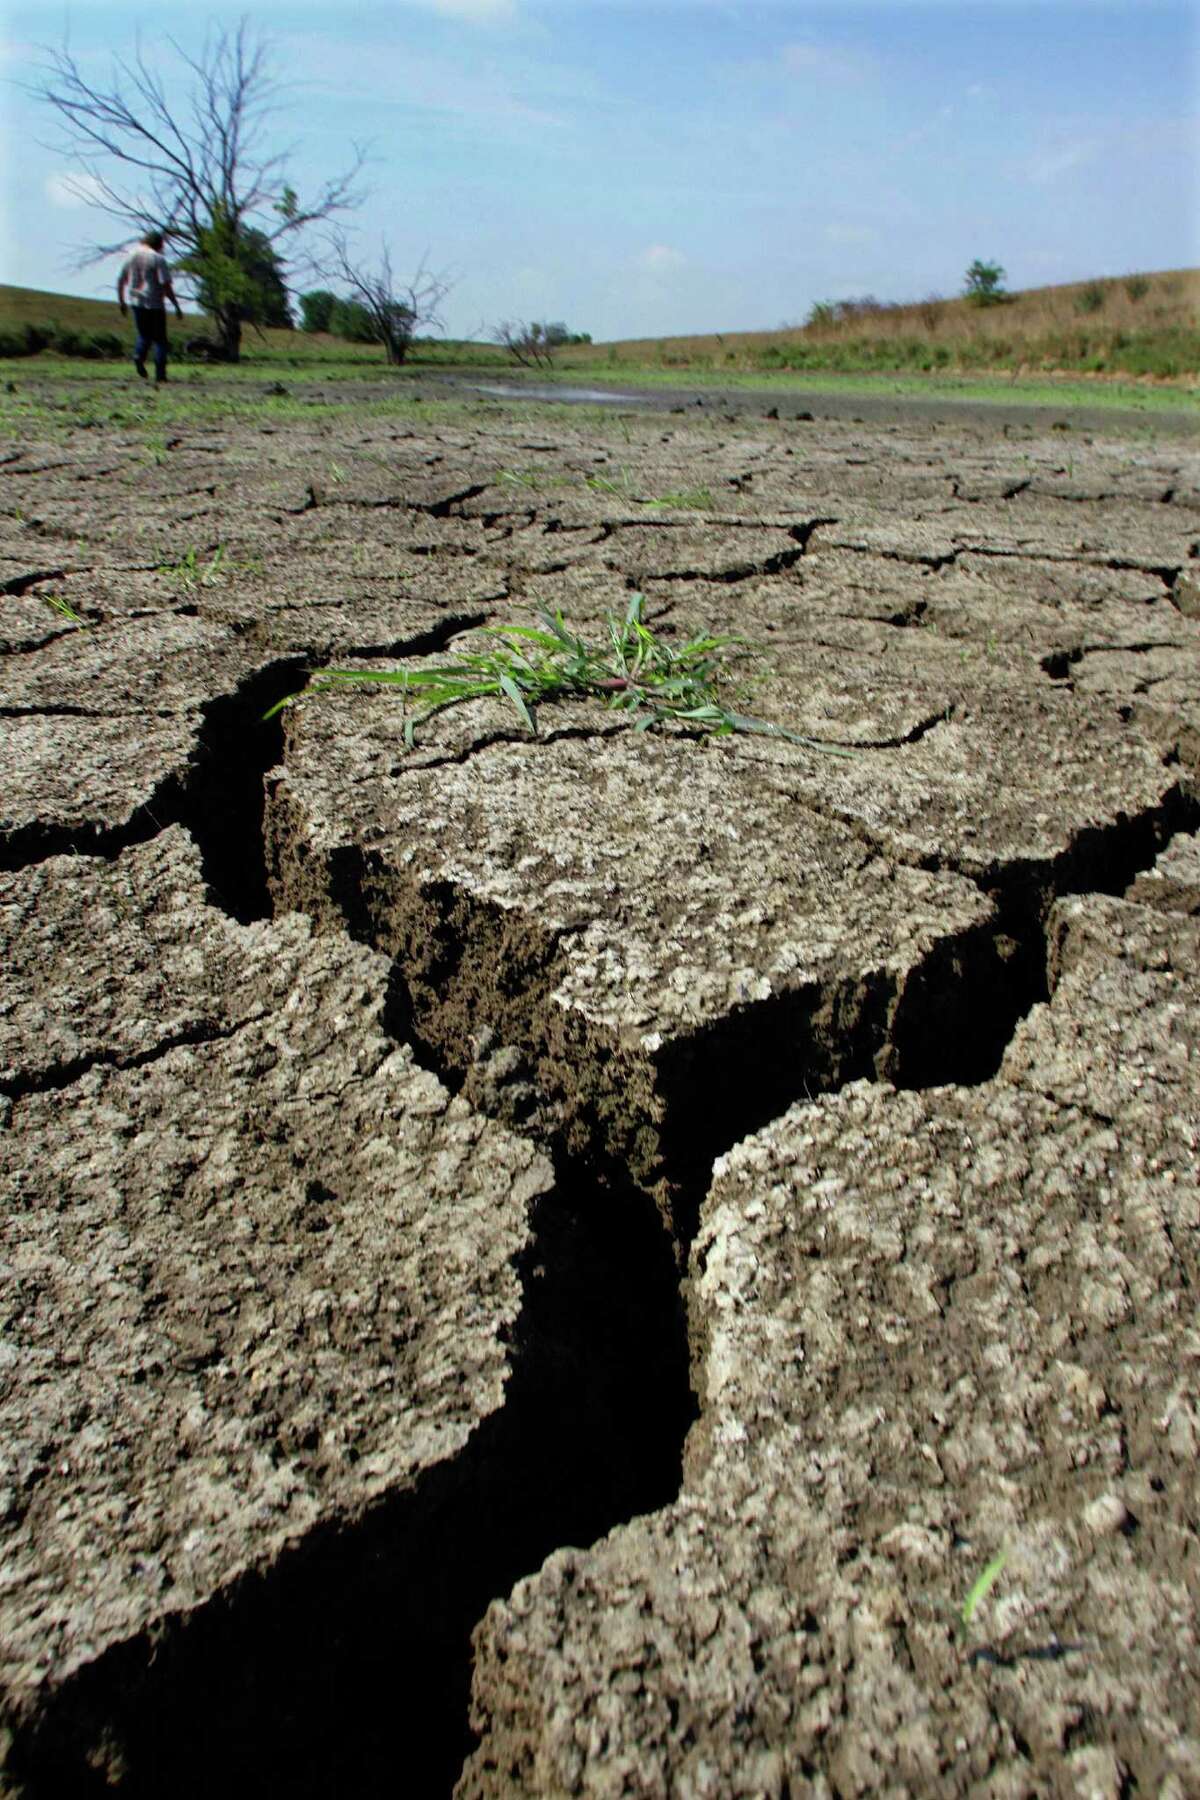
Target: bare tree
[
  {"x": 396, "y": 309},
  {"x": 527, "y": 342},
  {"x": 196, "y": 167}
]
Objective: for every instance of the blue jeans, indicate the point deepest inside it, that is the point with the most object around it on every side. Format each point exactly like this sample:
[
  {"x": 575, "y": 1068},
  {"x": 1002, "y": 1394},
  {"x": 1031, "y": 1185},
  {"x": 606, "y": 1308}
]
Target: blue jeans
[{"x": 151, "y": 324}]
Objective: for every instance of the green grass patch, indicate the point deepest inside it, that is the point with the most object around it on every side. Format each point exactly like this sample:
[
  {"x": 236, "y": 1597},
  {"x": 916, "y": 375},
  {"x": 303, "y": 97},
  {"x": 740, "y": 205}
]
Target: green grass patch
[
  {"x": 64, "y": 609},
  {"x": 632, "y": 670},
  {"x": 625, "y": 487}
]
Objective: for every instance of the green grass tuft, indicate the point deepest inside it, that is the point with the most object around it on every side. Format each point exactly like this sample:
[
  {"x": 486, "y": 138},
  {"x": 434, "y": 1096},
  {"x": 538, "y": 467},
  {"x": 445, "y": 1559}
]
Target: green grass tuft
[
  {"x": 982, "y": 1587},
  {"x": 64, "y": 609},
  {"x": 633, "y": 671},
  {"x": 190, "y": 572}
]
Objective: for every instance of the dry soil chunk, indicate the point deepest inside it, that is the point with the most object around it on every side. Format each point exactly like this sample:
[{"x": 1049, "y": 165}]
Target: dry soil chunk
[
  {"x": 249, "y": 1287},
  {"x": 1125, "y": 977},
  {"x": 665, "y": 933},
  {"x": 166, "y": 663},
  {"x": 87, "y": 779},
  {"x": 1174, "y": 880},
  {"x": 1009, "y": 776},
  {"x": 710, "y": 553},
  {"x": 113, "y": 961},
  {"x": 929, "y": 1328}
]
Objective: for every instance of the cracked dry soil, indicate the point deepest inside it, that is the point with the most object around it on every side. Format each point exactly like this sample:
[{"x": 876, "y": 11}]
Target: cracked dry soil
[{"x": 549, "y": 1267}]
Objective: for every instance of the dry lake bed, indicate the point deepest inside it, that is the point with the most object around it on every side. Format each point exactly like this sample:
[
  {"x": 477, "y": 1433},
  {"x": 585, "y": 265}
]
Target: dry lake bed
[{"x": 612, "y": 1263}]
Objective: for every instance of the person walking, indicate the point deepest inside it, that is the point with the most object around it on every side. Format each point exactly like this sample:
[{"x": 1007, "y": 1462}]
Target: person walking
[{"x": 149, "y": 282}]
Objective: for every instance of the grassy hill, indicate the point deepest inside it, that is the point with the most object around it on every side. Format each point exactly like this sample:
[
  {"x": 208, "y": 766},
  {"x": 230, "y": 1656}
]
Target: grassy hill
[
  {"x": 1142, "y": 325},
  {"x": 22, "y": 307}
]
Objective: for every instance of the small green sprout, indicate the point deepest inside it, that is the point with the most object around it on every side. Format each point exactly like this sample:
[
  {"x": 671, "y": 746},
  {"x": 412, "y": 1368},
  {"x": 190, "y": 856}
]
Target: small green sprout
[
  {"x": 982, "y": 1587},
  {"x": 625, "y": 488},
  {"x": 600, "y": 484},
  {"x": 537, "y": 479},
  {"x": 634, "y": 671},
  {"x": 190, "y": 572},
  {"x": 693, "y": 499},
  {"x": 64, "y": 609}
]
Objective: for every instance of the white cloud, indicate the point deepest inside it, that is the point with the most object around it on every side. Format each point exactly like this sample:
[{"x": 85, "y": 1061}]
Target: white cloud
[
  {"x": 370, "y": 74},
  {"x": 661, "y": 259},
  {"x": 73, "y": 190},
  {"x": 1049, "y": 165},
  {"x": 821, "y": 63},
  {"x": 477, "y": 12}
]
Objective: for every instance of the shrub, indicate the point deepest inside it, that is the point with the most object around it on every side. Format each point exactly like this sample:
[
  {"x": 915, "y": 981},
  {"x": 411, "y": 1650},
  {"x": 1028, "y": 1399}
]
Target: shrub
[
  {"x": 28, "y": 340},
  {"x": 1137, "y": 287},
  {"x": 984, "y": 284},
  {"x": 351, "y": 320},
  {"x": 316, "y": 310},
  {"x": 866, "y": 306},
  {"x": 1090, "y": 299},
  {"x": 820, "y": 316}
]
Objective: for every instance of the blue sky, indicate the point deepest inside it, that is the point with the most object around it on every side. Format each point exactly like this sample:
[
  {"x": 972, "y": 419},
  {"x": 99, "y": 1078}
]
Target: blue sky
[{"x": 678, "y": 166}]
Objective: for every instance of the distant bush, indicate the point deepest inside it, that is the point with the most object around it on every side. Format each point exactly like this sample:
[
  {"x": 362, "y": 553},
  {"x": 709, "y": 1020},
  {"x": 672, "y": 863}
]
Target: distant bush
[
  {"x": 28, "y": 340},
  {"x": 95, "y": 346},
  {"x": 1090, "y": 299},
  {"x": 316, "y": 310},
  {"x": 351, "y": 320},
  {"x": 866, "y": 306},
  {"x": 984, "y": 284},
  {"x": 556, "y": 334},
  {"x": 1137, "y": 287},
  {"x": 831, "y": 315}
]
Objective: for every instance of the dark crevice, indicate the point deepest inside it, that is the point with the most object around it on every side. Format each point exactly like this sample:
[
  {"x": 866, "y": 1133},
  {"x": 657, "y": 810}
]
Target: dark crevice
[
  {"x": 451, "y": 504},
  {"x": 769, "y": 565},
  {"x": 803, "y": 531},
  {"x": 1059, "y": 663},
  {"x": 31, "y": 646},
  {"x": 474, "y": 983},
  {"x": 62, "y": 1075},
  {"x": 930, "y": 560},
  {"x": 424, "y": 643},
  {"x": 219, "y": 798},
  {"x": 18, "y": 584},
  {"x": 514, "y": 735},
  {"x": 33, "y": 843},
  {"x": 1005, "y": 971},
  {"x": 343, "y": 1668},
  {"x": 57, "y": 712},
  {"x": 1148, "y": 649},
  {"x": 920, "y": 730},
  {"x": 905, "y": 618},
  {"x": 224, "y": 802}
]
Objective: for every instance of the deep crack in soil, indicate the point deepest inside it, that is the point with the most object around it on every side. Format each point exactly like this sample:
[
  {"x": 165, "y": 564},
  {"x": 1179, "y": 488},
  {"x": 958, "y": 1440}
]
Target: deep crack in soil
[{"x": 346, "y": 1668}]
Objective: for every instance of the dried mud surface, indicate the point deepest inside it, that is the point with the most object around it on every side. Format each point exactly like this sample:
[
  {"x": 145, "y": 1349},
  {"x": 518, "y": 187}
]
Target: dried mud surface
[{"x": 549, "y": 1266}]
